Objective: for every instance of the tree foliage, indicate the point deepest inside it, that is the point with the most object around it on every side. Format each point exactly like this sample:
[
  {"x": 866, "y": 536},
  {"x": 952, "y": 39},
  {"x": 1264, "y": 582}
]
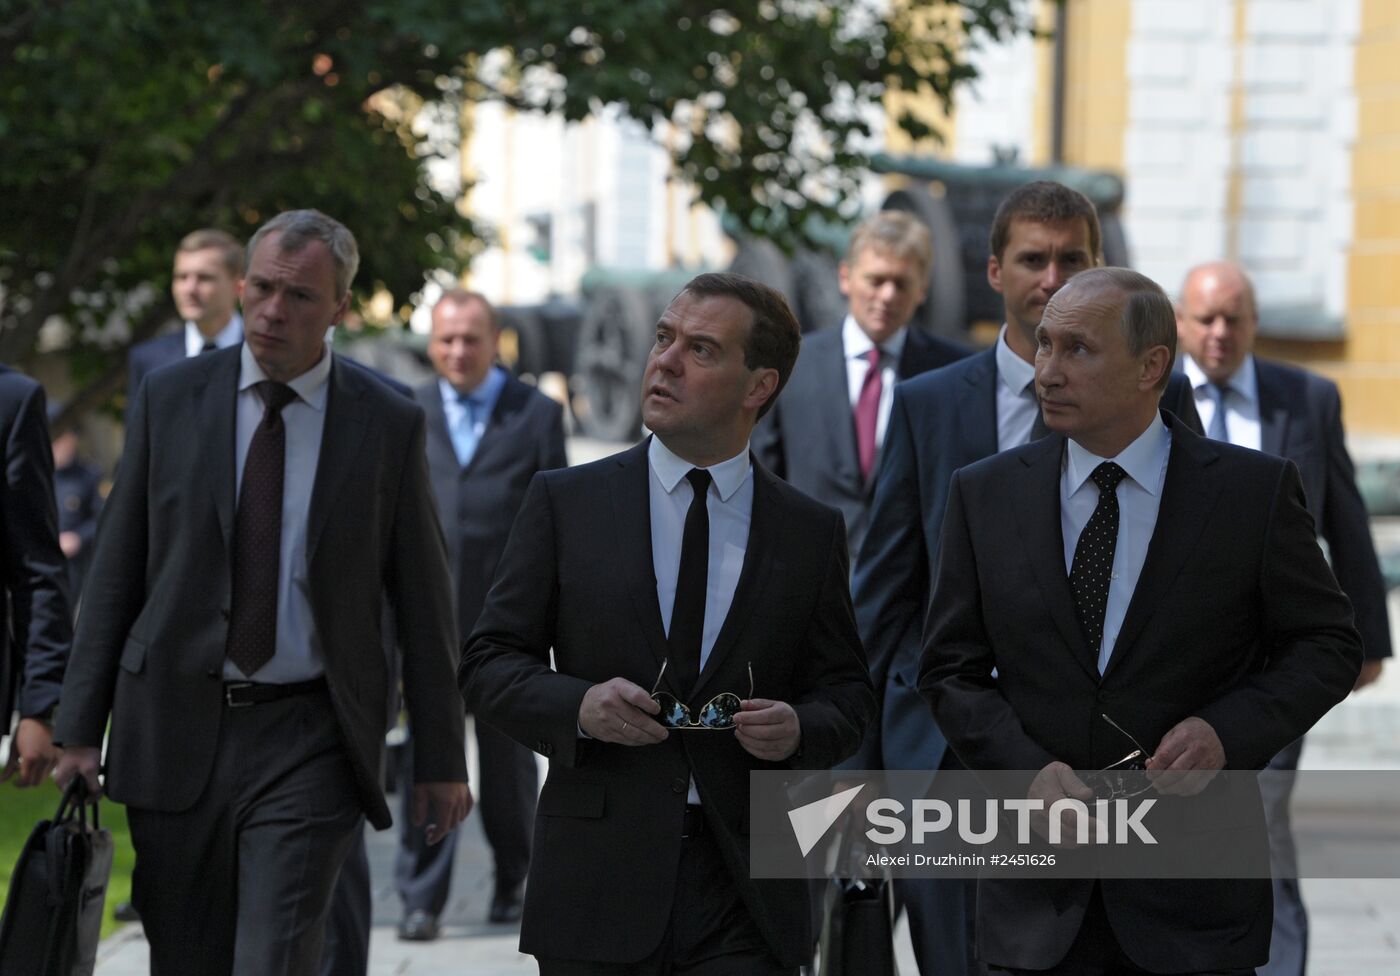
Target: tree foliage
[{"x": 127, "y": 123}]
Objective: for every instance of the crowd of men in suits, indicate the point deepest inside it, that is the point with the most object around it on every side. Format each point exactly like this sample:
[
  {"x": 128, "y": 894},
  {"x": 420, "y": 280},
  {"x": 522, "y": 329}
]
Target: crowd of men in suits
[{"x": 884, "y": 550}]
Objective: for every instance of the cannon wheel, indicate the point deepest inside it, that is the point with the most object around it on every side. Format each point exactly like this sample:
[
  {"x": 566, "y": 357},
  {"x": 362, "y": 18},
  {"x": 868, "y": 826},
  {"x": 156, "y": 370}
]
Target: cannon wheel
[
  {"x": 613, "y": 341},
  {"x": 944, "y": 311}
]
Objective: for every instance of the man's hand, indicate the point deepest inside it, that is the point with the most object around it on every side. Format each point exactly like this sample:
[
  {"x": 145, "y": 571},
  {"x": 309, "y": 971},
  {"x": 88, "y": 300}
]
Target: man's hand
[
  {"x": 768, "y": 729},
  {"x": 449, "y": 804},
  {"x": 84, "y": 761},
  {"x": 32, "y": 753},
  {"x": 71, "y": 543},
  {"x": 1187, "y": 758},
  {"x": 1370, "y": 671},
  {"x": 1053, "y": 783},
  {"x": 621, "y": 712}
]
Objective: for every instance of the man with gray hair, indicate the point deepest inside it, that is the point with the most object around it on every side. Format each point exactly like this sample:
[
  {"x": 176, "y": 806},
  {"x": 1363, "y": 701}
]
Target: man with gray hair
[
  {"x": 824, "y": 437},
  {"x": 1125, "y": 577},
  {"x": 271, "y": 497}
]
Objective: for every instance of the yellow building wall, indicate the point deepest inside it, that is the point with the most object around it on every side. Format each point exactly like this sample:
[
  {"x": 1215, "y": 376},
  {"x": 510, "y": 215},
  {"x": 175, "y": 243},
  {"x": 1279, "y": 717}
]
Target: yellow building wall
[
  {"x": 1096, "y": 82},
  {"x": 1368, "y": 370}
]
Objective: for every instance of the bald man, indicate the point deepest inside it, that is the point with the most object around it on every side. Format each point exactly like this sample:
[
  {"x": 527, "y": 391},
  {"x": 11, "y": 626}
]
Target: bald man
[{"x": 1289, "y": 412}]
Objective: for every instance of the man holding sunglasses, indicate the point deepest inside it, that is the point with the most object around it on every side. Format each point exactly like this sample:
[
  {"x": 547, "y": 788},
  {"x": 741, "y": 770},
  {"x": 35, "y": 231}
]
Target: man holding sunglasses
[
  {"x": 701, "y": 627},
  {"x": 1121, "y": 585}
]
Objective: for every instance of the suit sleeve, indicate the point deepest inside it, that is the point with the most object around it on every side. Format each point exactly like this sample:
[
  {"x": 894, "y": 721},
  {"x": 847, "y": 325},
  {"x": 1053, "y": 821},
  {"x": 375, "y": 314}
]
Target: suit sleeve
[
  {"x": 839, "y": 703},
  {"x": 505, "y": 677},
  {"x": 1313, "y": 651},
  {"x": 891, "y": 577},
  {"x": 33, "y": 561},
  {"x": 421, "y": 595},
  {"x": 1347, "y": 528},
  {"x": 115, "y": 590},
  {"x": 956, "y": 672}
]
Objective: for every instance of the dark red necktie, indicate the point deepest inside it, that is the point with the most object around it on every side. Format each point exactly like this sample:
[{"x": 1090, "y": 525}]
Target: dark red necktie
[
  {"x": 868, "y": 413},
  {"x": 257, "y": 537}
]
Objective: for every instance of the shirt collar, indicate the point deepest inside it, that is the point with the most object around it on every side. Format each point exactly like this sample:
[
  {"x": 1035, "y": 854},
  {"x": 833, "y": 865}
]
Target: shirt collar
[
  {"x": 1244, "y": 383},
  {"x": 1144, "y": 459},
  {"x": 230, "y": 335},
  {"x": 729, "y": 476},
  {"x": 488, "y": 389},
  {"x": 1014, "y": 371},
  {"x": 311, "y": 387},
  {"x": 858, "y": 345}
]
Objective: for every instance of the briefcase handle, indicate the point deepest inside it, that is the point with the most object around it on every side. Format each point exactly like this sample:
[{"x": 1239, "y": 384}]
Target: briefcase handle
[{"x": 77, "y": 799}]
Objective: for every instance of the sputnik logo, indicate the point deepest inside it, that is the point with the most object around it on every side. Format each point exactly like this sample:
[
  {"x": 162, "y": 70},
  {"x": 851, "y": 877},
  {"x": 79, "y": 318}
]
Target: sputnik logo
[{"x": 811, "y": 821}]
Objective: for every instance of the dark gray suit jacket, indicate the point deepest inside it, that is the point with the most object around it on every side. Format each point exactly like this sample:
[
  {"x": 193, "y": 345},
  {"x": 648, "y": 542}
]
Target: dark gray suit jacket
[
  {"x": 35, "y": 627},
  {"x": 1235, "y": 619},
  {"x": 151, "y": 643},
  {"x": 809, "y": 437},
  {"x": 477, "y": 504}
]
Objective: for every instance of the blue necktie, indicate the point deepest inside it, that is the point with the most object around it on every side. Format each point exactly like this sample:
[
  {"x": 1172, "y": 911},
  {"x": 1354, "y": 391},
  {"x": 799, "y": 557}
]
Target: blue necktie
[
  {"x": 464, "y": 435},
  {"x": 1218, "y": 431}
]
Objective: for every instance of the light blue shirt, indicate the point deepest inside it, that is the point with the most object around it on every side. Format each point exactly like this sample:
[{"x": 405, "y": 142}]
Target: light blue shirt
[
  {"x": 230, "y": 335},
  {"x": 298, "y": 656},
  {"x": 1242, "y": 421},
  {"x": 1016, "y": 402},
  {"x": 467, "y": 413},
  {"x": 1139, "y": 499}
]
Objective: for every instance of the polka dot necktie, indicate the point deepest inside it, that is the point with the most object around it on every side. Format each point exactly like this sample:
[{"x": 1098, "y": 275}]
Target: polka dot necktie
[
  {"x": 687, "y": 631},
  {"x": 257, "y": 537},
  {"x": 1092, "y": 566}
]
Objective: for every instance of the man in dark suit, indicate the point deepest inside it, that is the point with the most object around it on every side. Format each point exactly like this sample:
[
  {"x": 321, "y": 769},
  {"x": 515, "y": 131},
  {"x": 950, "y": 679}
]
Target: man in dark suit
[
  {"x": 35, "y": 627},
  {"x": 1124, "y": 566},
  {"x": 1042, "y": 235},
  {"x": 271, "y": 496},
  {"x": 678, "y": 572},
  {"x": 488, "y": 434},
  {"x": 824, "y": 435},
  {"x": 1291, "y": 413},
  {"x": 205, "y": 284}
]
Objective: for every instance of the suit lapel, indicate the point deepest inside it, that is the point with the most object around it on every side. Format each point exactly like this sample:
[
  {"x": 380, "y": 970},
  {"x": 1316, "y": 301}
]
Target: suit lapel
[
  {"x": 441, "y": 455},
  {"x": 753, "y": 578},
  {"x": 216, "y": 405},
  {"x": 1188, "y": 497},
  {"x": 631, "y": 496},
  {"x": 834, "y": 402},
  {"x": 1039, "y": 522},
  {"x": 345, "y": 425},
  {"x": 1273, "y": 411},
  {"x": 977, "y": 407}
]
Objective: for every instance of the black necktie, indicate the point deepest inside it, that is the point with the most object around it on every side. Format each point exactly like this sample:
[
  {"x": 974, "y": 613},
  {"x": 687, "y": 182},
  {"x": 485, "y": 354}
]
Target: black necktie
[
  {"x": 208, "y": 347},
  {"x": 257, "y": 537},
  {"x": 688, "y": 613},
  {"x": 1092, "y": 566}
]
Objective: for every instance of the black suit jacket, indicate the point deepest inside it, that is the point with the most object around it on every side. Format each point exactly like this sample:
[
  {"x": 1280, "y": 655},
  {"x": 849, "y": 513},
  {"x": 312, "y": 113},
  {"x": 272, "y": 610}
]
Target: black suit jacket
[
  {"x": 35, "y": 632},
  {"x": 151, "y": 642},
  {"x": 145, "y": 357},
  {"x": 477, "y": 504},
  {"x": 577, "y": 577},
  {"x": 1300, "y": 416},
  {"x": 809, "y": 437},
  {"x": 940, "y": 422},
  {"x": 1235, "y": 619}
]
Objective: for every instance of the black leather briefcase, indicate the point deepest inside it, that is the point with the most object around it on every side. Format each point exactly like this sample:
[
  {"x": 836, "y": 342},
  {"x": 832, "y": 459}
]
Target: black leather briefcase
[{"x": 53, "y": 913}]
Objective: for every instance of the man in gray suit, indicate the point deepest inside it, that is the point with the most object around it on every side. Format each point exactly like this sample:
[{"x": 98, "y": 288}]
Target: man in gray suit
[{"x": 271, "y": 496}]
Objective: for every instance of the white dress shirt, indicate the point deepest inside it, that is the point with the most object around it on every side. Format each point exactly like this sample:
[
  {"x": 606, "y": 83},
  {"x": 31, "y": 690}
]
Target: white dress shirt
[
  {"x": 298, "y": 656},
  {"x": 1016, "y": 402},
  {"x": 729, "y": 504},
  {"x": 229, "y": 335},
  {"x": 857, "y": 345},
  {"x": 1139, "y": 498},
  {"x": 1242, "y": 422}
]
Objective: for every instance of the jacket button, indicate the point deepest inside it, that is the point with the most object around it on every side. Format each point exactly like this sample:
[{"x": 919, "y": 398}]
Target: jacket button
[
  {"x": 212, "y": 672},
  {"x": 679, "y": 785}
]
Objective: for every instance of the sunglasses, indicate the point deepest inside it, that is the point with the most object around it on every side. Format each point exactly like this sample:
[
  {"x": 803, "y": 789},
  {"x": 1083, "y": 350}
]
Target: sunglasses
[
  {"x": 1124, "y": 778},
  {"x": 718, "y": 712}
]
